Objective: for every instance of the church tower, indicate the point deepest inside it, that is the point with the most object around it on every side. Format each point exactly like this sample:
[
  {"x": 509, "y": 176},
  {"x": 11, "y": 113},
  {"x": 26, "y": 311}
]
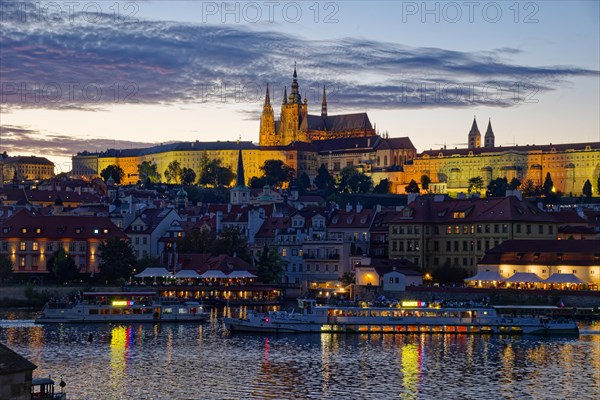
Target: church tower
[
  {"x": 267, "y": 123},
  {"x": 324, "y": 105},
  {"x": 240, "y": 194},
  {"x": 489, "y": 136},
  {"x": 474, "y": 136},
  {"x": 293, "y": 111}
]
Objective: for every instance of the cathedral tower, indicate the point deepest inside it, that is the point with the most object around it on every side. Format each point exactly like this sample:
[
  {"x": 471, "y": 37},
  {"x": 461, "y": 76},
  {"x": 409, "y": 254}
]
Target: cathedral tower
[
  {"x": 474, "y": 136},
  {"x": 293, "y": 111},
  {"x": 267, "y": 122},
  {"x": 489, "y": 136}
]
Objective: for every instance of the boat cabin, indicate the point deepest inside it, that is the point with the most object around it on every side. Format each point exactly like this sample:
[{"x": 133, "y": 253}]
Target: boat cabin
[{"x": 43, "y": 389}]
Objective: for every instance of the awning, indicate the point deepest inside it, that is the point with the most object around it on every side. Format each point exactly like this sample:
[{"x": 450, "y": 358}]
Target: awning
[
  {"x": 213, "y": 273},
  {"x": 564, "y": 278},
  {"x": 154, "y": 273},
  {"x": 187, "y": 273},
  {"x": 241, "y": 274},
  {"x": 524, "y": 277},
  {"x": 486, "y": 276}
]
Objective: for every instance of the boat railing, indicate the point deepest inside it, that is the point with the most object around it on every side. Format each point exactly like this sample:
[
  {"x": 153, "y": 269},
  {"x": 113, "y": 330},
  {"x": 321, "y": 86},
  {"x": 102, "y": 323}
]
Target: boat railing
[{"x": 59, "y": 305}]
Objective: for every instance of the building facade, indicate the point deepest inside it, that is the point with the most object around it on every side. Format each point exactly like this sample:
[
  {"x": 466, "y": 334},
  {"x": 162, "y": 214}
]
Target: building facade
[{"x": 433, "y": 233}]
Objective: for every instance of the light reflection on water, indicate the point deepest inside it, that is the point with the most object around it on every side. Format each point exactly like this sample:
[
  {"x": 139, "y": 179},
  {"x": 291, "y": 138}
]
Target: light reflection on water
[{"x": 192, "y": 361}]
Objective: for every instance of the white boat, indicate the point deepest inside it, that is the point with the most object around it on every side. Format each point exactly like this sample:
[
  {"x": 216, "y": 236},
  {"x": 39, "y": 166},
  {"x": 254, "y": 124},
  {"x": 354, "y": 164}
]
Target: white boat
[
  {"x": 122, "y": 307},
  {"x": 415, "y": 319}
]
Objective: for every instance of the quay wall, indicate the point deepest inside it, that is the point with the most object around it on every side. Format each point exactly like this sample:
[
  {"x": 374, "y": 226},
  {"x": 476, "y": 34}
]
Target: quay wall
[{"x": 27, "y": 295}]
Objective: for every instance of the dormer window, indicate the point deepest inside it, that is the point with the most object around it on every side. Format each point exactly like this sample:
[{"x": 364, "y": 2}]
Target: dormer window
[
  {"x": 105, "y": 230},
  {"x": 38, "y": 230},
  {"x": 77, "y": 230},
  {"x": 23, "y": 230},
  {"x": 96, "y": 231}
]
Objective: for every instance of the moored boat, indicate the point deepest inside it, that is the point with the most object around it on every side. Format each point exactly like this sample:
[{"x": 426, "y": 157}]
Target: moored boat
[
  {"x": 416, "y": 319},
  {"x": 122, "y": 307}
]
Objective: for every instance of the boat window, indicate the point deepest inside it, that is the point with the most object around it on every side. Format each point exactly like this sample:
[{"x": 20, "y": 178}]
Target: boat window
[
  {"x": 375, "y": 313},
  {"x": 127, "y": 311},
  {"x": 182, "y": 311},
  {"x": 116, "y": 311},
  {"x": 363, "y": 313},
  {"x": 147, "y": 311},
  {"x": 105, "y": 311},
  {"x": 93, "y": 311},
  {"x": 385, "y": 313},
  {"x": 167, "y": 310}
]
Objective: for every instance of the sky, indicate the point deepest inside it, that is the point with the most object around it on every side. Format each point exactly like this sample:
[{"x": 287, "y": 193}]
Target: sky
[{"x": 93, "y": 75}]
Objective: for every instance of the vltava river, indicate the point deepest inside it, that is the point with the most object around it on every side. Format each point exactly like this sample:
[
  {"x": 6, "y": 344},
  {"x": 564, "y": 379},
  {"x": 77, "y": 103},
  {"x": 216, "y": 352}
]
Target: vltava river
[{"x": 202, "y": 361}]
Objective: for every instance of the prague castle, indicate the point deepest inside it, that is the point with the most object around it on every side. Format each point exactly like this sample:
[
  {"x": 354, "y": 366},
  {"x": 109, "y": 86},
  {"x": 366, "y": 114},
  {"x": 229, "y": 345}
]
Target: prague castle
[
  {"x": 304, "y": 142},
  {"x": 297, "y": 125}
]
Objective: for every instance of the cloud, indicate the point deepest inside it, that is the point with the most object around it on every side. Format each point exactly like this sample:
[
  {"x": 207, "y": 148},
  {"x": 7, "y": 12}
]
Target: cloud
[
  {"x": 19, "y": 140},
  {"x": 71, "y": 63}
]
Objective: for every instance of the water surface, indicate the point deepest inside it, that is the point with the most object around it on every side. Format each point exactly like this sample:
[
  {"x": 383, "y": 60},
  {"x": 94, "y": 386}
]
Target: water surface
[{"x": 203, "y": 361}]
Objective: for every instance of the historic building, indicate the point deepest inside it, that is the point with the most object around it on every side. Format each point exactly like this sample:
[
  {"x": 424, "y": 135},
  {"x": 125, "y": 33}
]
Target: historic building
[
  {"x": 569, "y": 165},
  {"x": 435, "y": 232},
  {"x": 544, "y": 258},
  {"x": 295, "y": 124},
  {"x": 29, "y": 240},
  {"x": 26, "y": 168}
]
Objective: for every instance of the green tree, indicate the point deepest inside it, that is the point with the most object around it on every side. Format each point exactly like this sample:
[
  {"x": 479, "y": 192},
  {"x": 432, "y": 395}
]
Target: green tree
[
  {"x": 198, "y": 241},
  {"x": 497, "y": 187},
  {"x": 348, "y": 278},
  {"x": 382, "y": 187},
  {"x": 269, "y": 266},
  {"x": 148, "y": 172},
  {"x": 214, "y": 174},
  {"x": 353, "y": 181},
  {"x": 323, "y": 180},
  {"x": 117, "y": 259},
  {"x": 115, "y": 171},
  {"x": 514, "y": 184},
  {"x": 587, "y": 189},
  {"x": 61, "y": 266},
  {"x": 6, "y": 268},
  {"x": 548, "y": 186},
  {"x": 412, "y": 187},
  {"x": 450, "y": 273},
  {"x": 148, "y": 262},
  {"x": 188, "y": 176},
  {"x": 232, "y": 242},
  {"x": 303, "y": 183},
  {"x": 530, "y": 189},
  {"x": 475, "y": 185},
  {"x": 173, "y": 172},
  {"x": 425, "y": 181},
  {"x": 257, "y": 182},
  {"x": 277, "y": 172}
]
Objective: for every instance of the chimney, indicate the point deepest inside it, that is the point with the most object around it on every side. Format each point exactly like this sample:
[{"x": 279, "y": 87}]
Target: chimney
[
  {"x": 359, "y": 207},
  {"x": 348, "y": 207},
  {"x": 378, "y": 208}
]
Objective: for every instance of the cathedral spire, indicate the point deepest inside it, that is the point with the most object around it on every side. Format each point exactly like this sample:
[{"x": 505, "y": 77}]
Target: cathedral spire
[
  {"x": 489, "y": 135},
  {"x": 324, "y": 104},
  {"x": 474, "y": 135},
  {"x": 295, "y": 97},
  {"x": 267, "y": 98},
  {"x": 285, "y": 95},
  {"x": 240, "y": 181}
]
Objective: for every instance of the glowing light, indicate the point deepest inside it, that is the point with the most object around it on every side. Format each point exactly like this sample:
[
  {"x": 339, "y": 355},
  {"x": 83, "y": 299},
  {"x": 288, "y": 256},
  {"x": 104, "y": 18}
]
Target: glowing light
[
  {"x": 411, "y": 303},
  {"x": 121, "y": 303}
]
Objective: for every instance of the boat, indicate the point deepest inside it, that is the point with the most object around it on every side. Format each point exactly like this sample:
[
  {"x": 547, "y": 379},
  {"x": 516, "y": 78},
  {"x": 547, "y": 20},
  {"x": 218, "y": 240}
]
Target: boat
[
  {"x": 412, "y": 317},
  {"x": 43, "y": 389},
  {"x": 122, "y": 307}
]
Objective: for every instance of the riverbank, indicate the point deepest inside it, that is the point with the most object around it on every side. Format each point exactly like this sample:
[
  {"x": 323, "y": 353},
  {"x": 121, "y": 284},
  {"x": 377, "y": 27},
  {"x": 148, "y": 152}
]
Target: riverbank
[{"x": 35, "y": 296}]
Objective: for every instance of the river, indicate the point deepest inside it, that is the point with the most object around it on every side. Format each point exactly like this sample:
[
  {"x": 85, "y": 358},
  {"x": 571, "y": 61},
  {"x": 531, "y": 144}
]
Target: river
[{"x": 203, "y": 361}]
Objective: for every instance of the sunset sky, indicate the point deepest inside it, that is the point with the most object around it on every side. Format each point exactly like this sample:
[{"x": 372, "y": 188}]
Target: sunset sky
[{"x": 105, "y": 74}]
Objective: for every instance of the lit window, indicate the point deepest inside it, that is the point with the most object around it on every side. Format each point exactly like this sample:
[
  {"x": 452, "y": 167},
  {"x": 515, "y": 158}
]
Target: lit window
[
  {"x": 36, "y": 246},
  {"x": 22, "y": 246},
  {"x": 23, "y": 230},
  {"x": 96, "y": 231},
  {"x": 283, "y": 252}
]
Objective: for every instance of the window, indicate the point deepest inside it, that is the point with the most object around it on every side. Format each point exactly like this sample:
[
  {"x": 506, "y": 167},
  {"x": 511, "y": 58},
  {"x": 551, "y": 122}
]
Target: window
[
  {"x": 540, "y": 229},
  {"x": 436, "y": 246},
  {"x": 144, "y": 240},
  {"x": 518, "y": 228},
  {"x": 448, "y": 245},
  {"x": 137, "y": 240},
  {"x": 284, "y": 252},
  {"x": 456, "y": 245},
  {"x": 4, "y": 246},
  {"x": 574, "y": 271},
  {"x": 23, "y": 230},
  {"x": 504, "y": 228},
  {"x": 496, "y": 228},
  {"x": 22, "y": 262},
  {"x": 35, "y": 246},
  {"x": 528, "y": 229},
  {"x": 487, "y": 228},
  {"x": 465, "y": 245},
  {"x": 479, "y": 229},
  {"x": 465, "y": 229},
  {"x": 22, "y": 246},
  {"x": 457, "y": 229},
  {"x": 551, "y": 229},
  {"x": 72, "y": 247},
  {"x": 487, "y": 244},
  {"x": 449, "y": 230}
]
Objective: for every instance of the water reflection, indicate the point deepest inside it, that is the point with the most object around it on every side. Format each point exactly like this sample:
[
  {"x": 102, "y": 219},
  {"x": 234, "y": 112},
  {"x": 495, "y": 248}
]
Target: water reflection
[{"x": 162, "y": 361}]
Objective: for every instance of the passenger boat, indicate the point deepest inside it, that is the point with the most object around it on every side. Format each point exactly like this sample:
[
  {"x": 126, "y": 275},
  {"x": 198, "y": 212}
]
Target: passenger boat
[
  {"x": 122, "y": 307},
  {"x": 411, "y": 319}
]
